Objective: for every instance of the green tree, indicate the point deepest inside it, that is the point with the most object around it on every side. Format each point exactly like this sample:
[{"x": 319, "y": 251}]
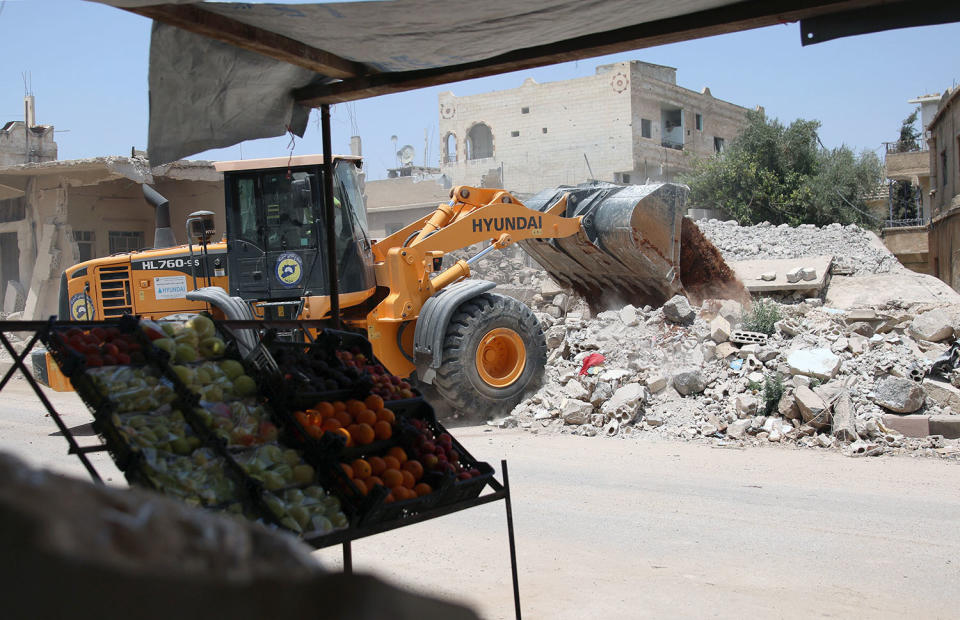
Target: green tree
[
  {"x": 909, "y": 139},
  {"x": 780, "y": 174}
]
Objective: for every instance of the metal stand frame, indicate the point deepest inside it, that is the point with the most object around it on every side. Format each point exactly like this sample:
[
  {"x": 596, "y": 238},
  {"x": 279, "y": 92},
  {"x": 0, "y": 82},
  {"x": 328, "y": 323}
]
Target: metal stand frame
[{"x": 343, "y": 537}]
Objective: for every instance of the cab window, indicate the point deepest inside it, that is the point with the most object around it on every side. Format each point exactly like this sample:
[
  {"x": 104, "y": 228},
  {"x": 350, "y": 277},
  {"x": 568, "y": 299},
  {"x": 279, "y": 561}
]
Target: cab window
[{"x": 288, "y": 200}]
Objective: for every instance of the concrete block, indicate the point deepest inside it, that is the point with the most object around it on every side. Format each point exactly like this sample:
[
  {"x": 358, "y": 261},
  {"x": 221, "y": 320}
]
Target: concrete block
[
  {"x": 942, "y": 393},
  {"x": 908, "y": 425},
  {"x": 946, "y": 425}
]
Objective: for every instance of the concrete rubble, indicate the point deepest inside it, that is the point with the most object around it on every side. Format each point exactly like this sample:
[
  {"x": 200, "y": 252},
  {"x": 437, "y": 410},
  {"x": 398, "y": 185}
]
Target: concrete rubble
[{"x": 826, "y": 378}]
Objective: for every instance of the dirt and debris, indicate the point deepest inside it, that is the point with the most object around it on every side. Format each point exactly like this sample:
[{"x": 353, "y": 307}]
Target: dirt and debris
[{"x": 822, "y": 378}]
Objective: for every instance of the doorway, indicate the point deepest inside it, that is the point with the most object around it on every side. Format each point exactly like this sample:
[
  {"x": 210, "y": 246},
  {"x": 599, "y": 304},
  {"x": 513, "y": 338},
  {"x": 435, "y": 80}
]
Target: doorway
[{"x": 9, "y": 261}]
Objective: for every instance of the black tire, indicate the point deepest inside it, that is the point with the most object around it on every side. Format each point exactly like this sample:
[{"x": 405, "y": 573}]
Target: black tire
[{"x": 458, "y": 381}]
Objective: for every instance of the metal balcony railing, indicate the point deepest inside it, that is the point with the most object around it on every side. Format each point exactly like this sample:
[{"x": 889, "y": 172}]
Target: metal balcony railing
[
  {"x": 670, "y": 144},
  {"x": 919, "y": 221}
]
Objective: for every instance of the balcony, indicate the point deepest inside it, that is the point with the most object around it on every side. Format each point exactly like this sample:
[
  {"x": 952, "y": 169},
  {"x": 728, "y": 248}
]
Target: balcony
[
  {"x": 905, "y": 166},
  {"x": 670, "y": 144}
]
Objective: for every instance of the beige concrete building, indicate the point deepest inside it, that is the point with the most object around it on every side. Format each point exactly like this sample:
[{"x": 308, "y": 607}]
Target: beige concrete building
[
  {"x": 25, "y": 141},
  {"x": 943, "y": 134},
  {"x": 402, "y": 199},
  {"x": 628, "y": 123},
  {"x": 58, "y": 213}
]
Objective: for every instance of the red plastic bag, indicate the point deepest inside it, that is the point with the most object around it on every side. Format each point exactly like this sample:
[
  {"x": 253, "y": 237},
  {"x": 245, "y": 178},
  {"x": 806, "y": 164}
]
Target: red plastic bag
[{"x": 594, "y": 359}]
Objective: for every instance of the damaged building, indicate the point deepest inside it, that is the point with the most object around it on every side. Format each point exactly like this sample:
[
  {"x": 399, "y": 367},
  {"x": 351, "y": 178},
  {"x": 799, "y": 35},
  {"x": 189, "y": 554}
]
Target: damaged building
[
  {"x": 54, "y": 214},
  {"x": 628, "y": 123}
]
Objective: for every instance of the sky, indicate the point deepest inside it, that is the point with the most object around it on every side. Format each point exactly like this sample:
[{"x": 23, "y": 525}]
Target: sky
[{"x": 87, "y": 67}]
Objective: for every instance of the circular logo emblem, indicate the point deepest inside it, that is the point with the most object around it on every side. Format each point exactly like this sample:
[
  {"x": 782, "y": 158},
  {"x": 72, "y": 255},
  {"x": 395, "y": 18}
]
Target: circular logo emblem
[
  {"x": 289, "y": 269},
  {"x": 80, "y": 306},
  {"x": 619, "y": 82},
  {"x": 447, "y": 111}
]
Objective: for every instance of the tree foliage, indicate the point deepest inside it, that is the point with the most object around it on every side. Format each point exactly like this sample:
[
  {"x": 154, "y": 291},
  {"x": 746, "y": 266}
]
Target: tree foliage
[
  {"x": 777, "y": 173},
  {"x": 909, "y": 139}
]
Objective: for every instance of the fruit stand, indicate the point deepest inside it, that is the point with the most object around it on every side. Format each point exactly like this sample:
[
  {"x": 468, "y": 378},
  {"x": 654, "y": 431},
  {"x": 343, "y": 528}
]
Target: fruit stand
[{"x": 312, "y": 437}]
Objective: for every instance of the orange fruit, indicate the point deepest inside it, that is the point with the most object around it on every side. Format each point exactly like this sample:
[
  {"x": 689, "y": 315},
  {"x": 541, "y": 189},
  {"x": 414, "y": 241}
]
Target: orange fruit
[
  {"x": 361, "y": 469},
  {"x": 392, "y": 478},
  {"x": 339, "y": 406},
  {"x": 377, "y": 464},
  {"x": 399, "y": 493},
  {"x": 398, "y": 453},
  {"x": 314, "y": 431},
  {"x": 361, "y": 486},
  {"x": 355, "y": 406},
  {"x": 373, "y": 481},
  {"x": 386, "y": 415},
  {"x": 345, "y": 434},
  {"x": 353, "y": 429},
  {"x": 373, "y": 402},
  {"x": 422, "y": 489},
  {"x": 389, "y": 499},
  {"x": 345, "y": 418},
  {"x": 331, "y": 424},
  {"x": 347, "y": 470},
  {"x": 408, "y": 480},
  {"x": 325, "y": 409},
  {"x": 382, "y": 430},
  {"x": 302, "y": 418},
  {"x": 366, "y": 417},
  {"x": 364, "y": 434},
  {"x": 391, "y": 462},
  {"x": 414, "y": 467}
]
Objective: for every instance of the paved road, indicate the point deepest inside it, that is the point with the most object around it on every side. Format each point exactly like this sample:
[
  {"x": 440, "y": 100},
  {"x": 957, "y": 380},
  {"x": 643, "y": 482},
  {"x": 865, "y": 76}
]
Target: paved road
[{"x": 625, "y": 529}]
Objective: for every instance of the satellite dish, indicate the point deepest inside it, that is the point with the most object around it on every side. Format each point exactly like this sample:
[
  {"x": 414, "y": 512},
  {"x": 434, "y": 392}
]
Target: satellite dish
[{"x": 406, "y": 154}]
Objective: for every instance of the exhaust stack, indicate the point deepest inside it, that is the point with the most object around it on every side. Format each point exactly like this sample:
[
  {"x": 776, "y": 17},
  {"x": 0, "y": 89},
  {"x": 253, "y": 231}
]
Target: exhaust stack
[{"x": 163, "y": 236}]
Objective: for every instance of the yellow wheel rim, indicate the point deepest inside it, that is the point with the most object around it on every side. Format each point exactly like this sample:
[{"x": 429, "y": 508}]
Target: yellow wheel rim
[{"x": 501, "y": 357}]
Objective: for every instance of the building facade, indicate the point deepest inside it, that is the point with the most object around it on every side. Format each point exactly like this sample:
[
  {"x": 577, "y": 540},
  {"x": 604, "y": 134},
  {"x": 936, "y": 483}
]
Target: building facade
[
  {"x": 943, "y": 136},
  {"x": 23, "y": 142},
  {"x": 628, "y": 123},
  {"x": 56, "y": 214}
]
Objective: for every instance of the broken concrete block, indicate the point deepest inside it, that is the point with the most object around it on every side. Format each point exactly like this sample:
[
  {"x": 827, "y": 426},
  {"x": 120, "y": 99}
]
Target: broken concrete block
[
  {"x": 769, "y": 276},
  {"x": 861, "y": 314},
  {"x": 942, "y": 393},
  {"x": 601, "y": 393},
  {"x": 560, "y": 300},
  {"x": 628, "y": 397},
  {"x": 788, "y": 327},
  {"x": 574, "y": 389},
  {"x": 794, "y": 275},
  {"x": 549, "y": 289},
  {"x": 738, "y": 429},
  {"x": 555, "y": 336},
  {"x": 741, "y": 336},
  {"x": 819, "y": 363},
  {"x": 908, "y": 425},
  {"x": 946, "y": 425},
  {"x": 933, "y": 326},
  {"x": 678, "y": 310},
  {"x": 719, "y": 329},
  {"x": 575, "y": 411},
  {"x": 724, "y": 350},
  {"x": 747, "y": 350},
  {"x": 861, "y": 327},
  {"x": 656, "y": 383},
  {"x": 746, "y": 405},
  {"x": 787, "y": 407},
  {"x": 689, "y": 381},
  {"x": 808, "y": 274},
  {"x": 844, "y": 427},
  {"x": 812, "y": 408},
  {"x": 898, "y": 394},
  {"x": 709, "y": 350},
  {"x": 628, "y": 316},
  {"x": 857, "y": 343}
]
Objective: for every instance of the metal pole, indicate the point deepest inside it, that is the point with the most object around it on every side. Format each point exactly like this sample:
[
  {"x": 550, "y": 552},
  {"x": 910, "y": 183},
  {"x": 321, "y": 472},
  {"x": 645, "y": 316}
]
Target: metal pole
[
  {"x": 347, "y": 558},
  {"x": 513, "y": 546},
  {"x": 330, "y": 217}
]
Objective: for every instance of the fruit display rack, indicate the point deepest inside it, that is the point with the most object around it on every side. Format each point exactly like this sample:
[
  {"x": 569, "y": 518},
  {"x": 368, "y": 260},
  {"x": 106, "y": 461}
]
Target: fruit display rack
[{"x": 314, "y": 437}]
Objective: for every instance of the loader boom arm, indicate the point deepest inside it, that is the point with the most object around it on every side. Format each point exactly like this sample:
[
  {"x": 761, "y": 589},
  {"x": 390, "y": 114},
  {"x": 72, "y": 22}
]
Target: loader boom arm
[{"x": 404, "y": 260}]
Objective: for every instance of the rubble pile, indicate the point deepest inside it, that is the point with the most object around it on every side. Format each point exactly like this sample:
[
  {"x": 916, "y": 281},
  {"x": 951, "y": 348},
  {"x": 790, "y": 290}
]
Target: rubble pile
[
  {"x": 824, "y": 378},
  {"x": 854, "y": 249}
]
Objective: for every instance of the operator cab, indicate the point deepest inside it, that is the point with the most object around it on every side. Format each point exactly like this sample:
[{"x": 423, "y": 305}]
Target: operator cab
[{"x": 276, "y": 236}]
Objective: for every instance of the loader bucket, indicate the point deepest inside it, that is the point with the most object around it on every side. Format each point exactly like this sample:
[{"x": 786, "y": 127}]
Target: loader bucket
[{"x": 634, "y": 246}]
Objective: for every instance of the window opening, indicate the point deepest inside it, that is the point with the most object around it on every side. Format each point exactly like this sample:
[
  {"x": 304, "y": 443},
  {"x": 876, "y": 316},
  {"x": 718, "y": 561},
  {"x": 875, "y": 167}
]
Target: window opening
[
  {"x": 125, "y": 240},
  {"x": 524, "y": 110},
  {"x": 480, "y": 142},
  {"x": 699, "y": 122},
  {"x": 84, "y": 239},
  {"x": 449, "y": 149},
  {"x": 671, "y": 120},
  {"x": 514, "y": 134},
  {"x": 718, "y": 145},
  {"x": 646, "y": 130}
]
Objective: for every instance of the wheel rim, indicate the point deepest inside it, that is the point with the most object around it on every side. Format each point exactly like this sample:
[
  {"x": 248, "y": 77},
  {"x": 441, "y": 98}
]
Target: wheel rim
[{"x": 501, "y": 357}]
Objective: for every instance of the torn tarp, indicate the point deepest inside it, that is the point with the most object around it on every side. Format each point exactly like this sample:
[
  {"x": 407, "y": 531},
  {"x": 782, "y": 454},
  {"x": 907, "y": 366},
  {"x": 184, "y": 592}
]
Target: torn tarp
[{"x": 244, "y": 95}]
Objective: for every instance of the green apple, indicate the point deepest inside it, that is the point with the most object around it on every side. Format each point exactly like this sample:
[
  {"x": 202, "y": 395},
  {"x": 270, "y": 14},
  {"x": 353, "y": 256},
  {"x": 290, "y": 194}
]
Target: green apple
[
  {"x": 244, "y": 386},
  {"x": 302, "y": 474},
  {"x": 202, "y": 325},
  {"x": 166, "y": 344},
  {"x": 232, "y": 368}
]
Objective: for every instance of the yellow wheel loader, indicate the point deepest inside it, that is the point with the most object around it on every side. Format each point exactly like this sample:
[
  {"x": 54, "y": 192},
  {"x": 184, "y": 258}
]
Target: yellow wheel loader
[{"x": 480, "y": 350}]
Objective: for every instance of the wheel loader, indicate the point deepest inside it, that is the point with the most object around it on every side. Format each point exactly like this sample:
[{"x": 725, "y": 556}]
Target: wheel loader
[{"x": 480, "y": 350}]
